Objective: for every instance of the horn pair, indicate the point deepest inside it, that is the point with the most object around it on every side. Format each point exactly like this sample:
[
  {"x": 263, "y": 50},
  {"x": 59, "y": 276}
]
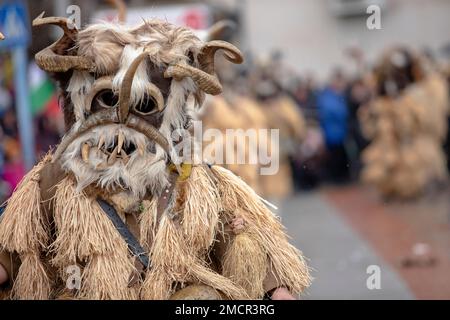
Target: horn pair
[{"x": 57, "y": 57}]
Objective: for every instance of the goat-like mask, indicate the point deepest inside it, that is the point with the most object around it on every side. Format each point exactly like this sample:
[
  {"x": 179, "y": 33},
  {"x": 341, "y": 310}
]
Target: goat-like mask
[{"x": 126, "y": 93}]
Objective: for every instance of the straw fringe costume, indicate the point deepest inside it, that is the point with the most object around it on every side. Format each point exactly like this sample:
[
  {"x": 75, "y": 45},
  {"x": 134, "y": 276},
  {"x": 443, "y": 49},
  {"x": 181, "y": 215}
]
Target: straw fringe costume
[{"x": 125, "y": 94}]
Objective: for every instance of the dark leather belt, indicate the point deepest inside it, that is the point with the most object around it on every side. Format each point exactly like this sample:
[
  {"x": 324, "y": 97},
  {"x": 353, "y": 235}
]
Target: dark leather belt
[{"x": 132, "y": 242}]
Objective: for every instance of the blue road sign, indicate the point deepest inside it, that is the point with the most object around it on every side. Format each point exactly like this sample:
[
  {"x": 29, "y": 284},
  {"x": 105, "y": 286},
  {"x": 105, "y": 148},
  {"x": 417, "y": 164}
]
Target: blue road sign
[{"x": 14, "y": 24}]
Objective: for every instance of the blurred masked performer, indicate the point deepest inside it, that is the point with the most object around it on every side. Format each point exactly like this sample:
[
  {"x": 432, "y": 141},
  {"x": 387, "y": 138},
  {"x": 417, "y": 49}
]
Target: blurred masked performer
[
  {"x": 239, "y": 113},
  {"x": 234, "y": 110},
  {"x": 407, "y": 124},
  {"x": 268, "y": 108},
  {"x": 284, "y": 115},
  {"x": 114, "y": 202}
]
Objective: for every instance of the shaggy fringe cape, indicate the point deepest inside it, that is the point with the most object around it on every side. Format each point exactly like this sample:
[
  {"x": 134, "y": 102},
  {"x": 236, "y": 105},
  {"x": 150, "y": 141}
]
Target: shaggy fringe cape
[{"x": 179, "y": 243}]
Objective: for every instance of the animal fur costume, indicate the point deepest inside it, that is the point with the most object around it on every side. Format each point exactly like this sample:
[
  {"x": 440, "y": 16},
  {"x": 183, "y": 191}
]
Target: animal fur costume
[
  {"x": 407, "y": 129},
  {"x": 125, "y": 92}
]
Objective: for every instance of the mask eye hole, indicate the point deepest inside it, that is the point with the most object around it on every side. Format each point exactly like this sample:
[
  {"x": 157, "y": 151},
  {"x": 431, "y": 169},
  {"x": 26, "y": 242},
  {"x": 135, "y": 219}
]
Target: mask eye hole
[
  {"x": 107, "y": 98},
  {"x": 104, "y": 99},
  {"x": 149, "y": 105}
]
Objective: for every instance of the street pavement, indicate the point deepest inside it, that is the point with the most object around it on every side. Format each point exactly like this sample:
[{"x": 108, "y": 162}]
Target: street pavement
[{"x": 344, "y": 231}]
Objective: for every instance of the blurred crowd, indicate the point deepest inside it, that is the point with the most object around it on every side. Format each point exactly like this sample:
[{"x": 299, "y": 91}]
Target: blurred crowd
[
  {"x": 386, "y": 124},
  {"x": 46, "y": 123},
  {"x": 320, "y": 136}
]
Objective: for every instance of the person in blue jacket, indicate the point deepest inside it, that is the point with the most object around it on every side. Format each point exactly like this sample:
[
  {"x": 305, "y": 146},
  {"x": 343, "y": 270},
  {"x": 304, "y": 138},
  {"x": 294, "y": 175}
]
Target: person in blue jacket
[{"x": 333, "y": 116}]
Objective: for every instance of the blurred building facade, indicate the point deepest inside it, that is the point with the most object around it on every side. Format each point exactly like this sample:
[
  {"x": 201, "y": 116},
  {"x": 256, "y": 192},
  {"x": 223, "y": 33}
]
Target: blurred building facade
[{"x": 314, "y": 37}]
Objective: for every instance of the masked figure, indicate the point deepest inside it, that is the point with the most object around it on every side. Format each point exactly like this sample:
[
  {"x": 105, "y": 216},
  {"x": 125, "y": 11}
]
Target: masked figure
[
  {"x": 112, "y": 212},
  {"x": 407, "y": 125}
]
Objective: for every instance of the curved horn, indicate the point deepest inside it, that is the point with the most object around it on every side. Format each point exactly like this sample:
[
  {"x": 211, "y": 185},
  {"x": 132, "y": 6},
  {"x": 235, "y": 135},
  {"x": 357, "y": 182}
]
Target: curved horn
[
  {"x": 51, "y": 58},
  {"x": 208, "y": 52},
  {"x": 206, "y": 82},
  {"x": 102, "y": 117},
  {"x": 205, "y": 77},
  {"x": 125, "y": 87},
  {"x": 148, "y": 130}
]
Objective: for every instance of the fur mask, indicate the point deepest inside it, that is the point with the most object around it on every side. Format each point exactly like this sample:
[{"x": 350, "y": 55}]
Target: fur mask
[{"x": 126, "y": 92}]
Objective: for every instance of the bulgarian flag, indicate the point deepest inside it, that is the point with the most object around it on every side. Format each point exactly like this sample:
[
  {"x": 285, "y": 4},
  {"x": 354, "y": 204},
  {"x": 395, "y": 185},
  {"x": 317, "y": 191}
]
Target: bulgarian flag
[{"x": 43, "y": 96}]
